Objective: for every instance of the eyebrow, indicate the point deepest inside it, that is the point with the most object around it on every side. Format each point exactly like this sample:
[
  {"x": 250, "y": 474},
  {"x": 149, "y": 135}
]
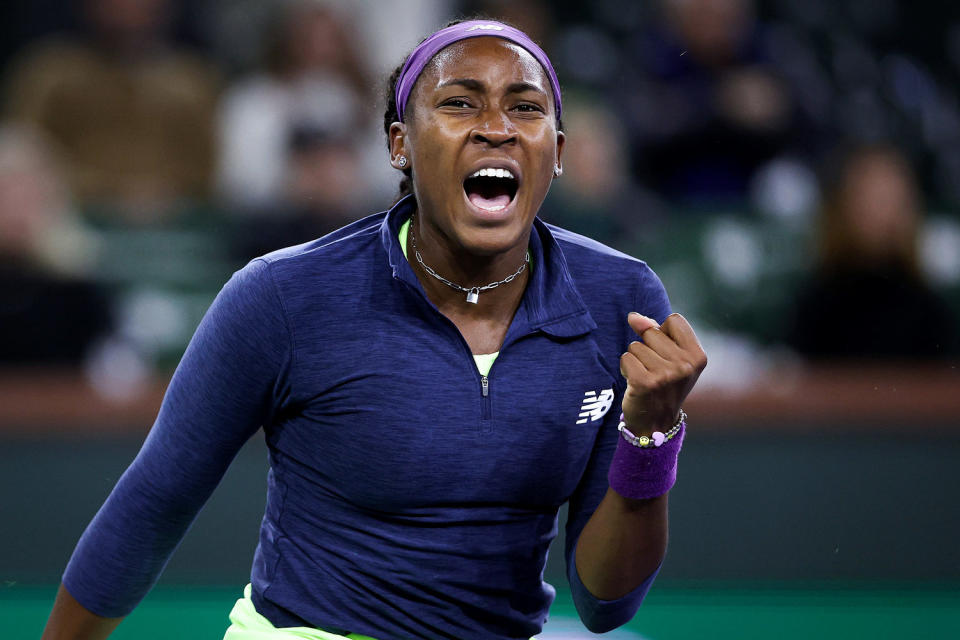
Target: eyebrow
[{"x": 476, "y": 85}]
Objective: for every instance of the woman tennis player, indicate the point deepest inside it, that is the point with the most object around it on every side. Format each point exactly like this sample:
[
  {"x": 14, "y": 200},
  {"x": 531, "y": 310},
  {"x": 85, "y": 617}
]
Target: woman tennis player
[{"x": 434, "y": 382}]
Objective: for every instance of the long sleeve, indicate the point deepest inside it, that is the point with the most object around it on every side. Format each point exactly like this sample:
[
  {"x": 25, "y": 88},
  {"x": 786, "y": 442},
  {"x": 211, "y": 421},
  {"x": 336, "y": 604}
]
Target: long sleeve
[
  {"x": 600, "y": 616},
  {"x": 231, "y": 380}
]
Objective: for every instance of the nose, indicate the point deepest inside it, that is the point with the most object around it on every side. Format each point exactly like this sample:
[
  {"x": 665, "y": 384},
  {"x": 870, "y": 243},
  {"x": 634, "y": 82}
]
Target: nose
[{"x": 495, "y": 129}]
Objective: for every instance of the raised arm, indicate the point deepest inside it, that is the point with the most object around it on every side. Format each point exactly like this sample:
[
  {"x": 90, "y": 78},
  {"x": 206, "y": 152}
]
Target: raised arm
[
  {"x": 232, "y": 378},
  {"x": 626, "y": 538},
  {"x": 617, "y": 531}
]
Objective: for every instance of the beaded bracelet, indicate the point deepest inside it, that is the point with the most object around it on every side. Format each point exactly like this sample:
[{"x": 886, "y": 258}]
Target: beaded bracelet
[{"x": 655, "y": 439}]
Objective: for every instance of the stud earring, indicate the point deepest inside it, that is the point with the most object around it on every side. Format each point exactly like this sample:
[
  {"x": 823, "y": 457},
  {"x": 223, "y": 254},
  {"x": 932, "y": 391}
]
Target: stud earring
[{"x": 402, "y": 161}]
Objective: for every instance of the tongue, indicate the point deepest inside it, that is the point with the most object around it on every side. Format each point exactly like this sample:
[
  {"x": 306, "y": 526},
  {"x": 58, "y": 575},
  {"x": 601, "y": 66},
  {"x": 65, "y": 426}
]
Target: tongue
[{"x": 495, "y": 203}]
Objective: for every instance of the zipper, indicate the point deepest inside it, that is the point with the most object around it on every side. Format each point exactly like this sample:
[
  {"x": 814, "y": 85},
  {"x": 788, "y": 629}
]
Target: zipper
[
  {"x": 485, "y": 413},
  {"x": 485, "y": 400}
]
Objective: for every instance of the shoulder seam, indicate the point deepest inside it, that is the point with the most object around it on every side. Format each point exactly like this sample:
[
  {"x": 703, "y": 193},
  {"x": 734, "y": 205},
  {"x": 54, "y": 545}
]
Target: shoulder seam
[
  {"x": 589, "y": 244},
  {"x": 269, "y": 259},
  {"x": 283, "y": 311}
]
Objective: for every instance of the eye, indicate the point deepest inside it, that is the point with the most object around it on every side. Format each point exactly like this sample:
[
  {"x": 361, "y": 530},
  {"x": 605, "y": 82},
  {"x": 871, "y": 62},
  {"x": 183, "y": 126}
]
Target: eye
[
  {"x": 457, "y": 103},
  {"x": 529, "y": 107}
]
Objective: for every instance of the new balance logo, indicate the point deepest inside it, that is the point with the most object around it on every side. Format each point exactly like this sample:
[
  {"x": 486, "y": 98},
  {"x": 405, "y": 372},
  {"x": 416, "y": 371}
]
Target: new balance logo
[{"x": 595, "y": 407}]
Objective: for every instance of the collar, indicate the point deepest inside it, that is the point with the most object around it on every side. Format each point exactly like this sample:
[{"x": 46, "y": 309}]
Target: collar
[{"x": 551, "y": 303}]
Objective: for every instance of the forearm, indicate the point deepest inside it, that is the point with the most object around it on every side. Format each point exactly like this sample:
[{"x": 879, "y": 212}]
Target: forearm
[
  {"x": 69, "y": 620},
  {"x": 623, "y": 542}
]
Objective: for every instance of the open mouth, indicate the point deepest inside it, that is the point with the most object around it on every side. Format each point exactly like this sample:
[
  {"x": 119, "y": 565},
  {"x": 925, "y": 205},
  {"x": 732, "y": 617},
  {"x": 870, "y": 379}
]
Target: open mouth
[{"x": 491, "y": 189}]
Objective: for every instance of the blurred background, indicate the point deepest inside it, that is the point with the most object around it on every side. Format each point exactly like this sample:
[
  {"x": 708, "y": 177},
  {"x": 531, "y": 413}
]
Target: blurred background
[{"x": 790, "y": 168}]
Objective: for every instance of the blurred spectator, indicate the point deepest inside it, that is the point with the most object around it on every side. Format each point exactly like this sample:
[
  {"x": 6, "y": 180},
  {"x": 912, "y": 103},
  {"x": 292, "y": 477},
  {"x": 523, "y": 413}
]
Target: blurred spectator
[
  {"x": 314, "y": 80},
  {"x": 49, "y": 311},
  {"x": 705, "y": 106},
  {"x": 320, "y": 193},
  {"x": 533, "y": 17},
  {"x": 596, "y": 195},
  {"x": 867, "y": 299},
  {"x": 133, "y": 115}
]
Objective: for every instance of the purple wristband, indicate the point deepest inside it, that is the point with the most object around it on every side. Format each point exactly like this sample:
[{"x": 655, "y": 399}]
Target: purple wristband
[{"x": 639, "y": 474}]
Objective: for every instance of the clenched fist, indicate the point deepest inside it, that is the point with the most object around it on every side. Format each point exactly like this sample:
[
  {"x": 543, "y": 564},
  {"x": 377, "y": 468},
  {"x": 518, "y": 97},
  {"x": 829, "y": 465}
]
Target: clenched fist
[{"x": 660, "y": 371}]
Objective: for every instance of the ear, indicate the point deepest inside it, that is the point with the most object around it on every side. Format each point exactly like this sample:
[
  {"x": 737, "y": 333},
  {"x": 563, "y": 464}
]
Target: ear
[
  {"x": 558, "y": 167},
  {"x": 398, "y": 146}
]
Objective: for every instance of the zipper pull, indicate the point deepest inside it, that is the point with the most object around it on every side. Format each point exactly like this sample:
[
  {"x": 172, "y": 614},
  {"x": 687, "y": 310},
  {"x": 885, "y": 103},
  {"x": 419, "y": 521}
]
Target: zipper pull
[{"x": 485, "y": 385}]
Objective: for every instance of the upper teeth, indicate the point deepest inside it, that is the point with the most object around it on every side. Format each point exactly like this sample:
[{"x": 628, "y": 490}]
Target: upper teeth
[{"x": 492, "y": 173}]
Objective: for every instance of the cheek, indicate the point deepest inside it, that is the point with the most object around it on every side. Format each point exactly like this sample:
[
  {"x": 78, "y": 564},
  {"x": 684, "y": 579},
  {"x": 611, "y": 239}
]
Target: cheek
[
  {"x": 545, "y": 159},
  {"x": 433, "y": 152}
]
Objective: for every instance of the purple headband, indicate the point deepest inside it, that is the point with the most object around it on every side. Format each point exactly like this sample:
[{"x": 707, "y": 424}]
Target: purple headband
[{"x": 430, "y": 47}]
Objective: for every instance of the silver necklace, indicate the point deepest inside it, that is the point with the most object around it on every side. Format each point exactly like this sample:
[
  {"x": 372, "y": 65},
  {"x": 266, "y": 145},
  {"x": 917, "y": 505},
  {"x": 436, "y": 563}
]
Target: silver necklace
[{"x": 473, "y": 293}]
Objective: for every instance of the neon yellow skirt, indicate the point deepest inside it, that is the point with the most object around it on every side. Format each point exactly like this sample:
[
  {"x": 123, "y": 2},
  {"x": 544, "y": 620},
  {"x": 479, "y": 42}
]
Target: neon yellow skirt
[{"x": 247, "y": 624}]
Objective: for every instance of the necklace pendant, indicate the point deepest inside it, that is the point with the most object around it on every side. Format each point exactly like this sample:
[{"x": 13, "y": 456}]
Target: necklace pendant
[{"x": 473, "y": 295}]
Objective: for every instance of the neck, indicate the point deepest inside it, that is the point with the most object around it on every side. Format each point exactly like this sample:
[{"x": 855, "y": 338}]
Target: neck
[{"x": 468, "y": 270}]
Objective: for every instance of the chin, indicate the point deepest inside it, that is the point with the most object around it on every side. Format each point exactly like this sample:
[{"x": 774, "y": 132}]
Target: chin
[
  {"x": 493, "y": 232},
  {"x": 490, "y": 215}
]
